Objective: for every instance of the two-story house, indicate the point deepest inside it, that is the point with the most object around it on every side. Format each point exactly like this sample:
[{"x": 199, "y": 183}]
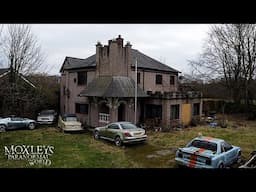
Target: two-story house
[{"x": 101, "y": 88}]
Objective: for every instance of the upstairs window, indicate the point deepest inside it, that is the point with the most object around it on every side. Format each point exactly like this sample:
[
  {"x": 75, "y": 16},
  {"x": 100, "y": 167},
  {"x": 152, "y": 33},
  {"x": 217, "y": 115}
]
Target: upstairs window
[
  {"x": 159, "y": 79},
  {"x": 81, "y": 78},
  {"x": 82, "y": 108},
  {"x": 172, "y": 80},
  {"x": 138, "y": 78}
]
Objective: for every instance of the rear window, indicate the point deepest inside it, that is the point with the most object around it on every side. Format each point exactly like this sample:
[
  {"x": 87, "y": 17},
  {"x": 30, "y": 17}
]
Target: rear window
[
  {"x": 47, "y": 112},
  {"x": 204, "y": 145},
  {"x": 70, "y": 119},
  {"x": 128, "y": 126}
]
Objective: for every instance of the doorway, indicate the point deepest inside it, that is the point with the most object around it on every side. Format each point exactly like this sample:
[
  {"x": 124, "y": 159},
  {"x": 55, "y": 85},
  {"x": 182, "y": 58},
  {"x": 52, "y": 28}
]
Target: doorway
[{"x": 121, "y": 112}]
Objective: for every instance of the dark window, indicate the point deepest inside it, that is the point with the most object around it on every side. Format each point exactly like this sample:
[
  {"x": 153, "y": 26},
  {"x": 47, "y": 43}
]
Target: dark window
[
  {"x": 204, "y": 145},
  {"x": 175, "y": 112},
  {"x": 159, "y": 79},
  {"x": 172, "y": 80},
  {"x": 138, "y": 78},
  {"x": 153, "y": 111},
  {"x": 113, "y": 126},
  {"x": 82, "y": 108},
  {"x": 225, "y": 147},
  {"x": 196, "y": 108},
  {"x": 81, "y": 78}
]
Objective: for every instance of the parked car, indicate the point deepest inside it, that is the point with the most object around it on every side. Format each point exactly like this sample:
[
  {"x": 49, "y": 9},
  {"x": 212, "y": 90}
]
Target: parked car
[
  {"x": 69, "y": 122},
  {"x": 46, "y": 117},
  {"x": 16, "y": 123},
  {"x": 208, "y": 152},
  {"x": 120, "y": 133},
  {"x": 251, "y": 163}
]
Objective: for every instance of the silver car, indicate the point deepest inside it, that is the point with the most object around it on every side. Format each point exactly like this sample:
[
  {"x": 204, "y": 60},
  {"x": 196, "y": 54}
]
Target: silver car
[
  {"x": 16, "y": 123},
  {"x": 120, "y": 133},
  {"x": 46, "y": 117}
]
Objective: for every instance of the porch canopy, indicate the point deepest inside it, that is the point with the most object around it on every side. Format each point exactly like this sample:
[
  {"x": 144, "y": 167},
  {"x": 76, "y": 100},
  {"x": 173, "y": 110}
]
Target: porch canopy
[{"x": 112, "y": 86}]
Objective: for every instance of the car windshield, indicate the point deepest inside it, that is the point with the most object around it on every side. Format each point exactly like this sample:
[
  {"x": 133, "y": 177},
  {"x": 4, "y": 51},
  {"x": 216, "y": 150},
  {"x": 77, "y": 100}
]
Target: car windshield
[
  {"x": 70, "y": 119},
  {"x": 128, "y": 126},
  {"x": 47, "y": 112},
  {"x": 204, "y": 145}
]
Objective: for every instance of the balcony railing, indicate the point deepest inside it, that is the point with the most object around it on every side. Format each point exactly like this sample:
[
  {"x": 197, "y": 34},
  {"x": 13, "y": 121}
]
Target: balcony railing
[{"x": 104, "y": 118}]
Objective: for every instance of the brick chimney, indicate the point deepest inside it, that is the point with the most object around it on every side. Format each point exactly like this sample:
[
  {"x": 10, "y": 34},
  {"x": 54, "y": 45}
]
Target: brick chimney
[{"x": 113, "y": 59}]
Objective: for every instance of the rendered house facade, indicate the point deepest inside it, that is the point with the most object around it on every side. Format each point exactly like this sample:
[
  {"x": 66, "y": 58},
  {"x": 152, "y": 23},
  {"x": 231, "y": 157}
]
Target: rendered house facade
[{"x": 101, "y": 88}]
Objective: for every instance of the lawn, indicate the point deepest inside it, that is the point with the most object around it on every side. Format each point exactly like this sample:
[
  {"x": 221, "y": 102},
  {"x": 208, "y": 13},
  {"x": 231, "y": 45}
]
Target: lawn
[{"x": 82, "y": 151}]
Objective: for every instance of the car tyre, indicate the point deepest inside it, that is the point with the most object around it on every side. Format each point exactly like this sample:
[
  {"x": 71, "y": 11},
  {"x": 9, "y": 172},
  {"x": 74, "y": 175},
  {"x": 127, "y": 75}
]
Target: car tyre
[
  {"x": 31, "y": 126},
  {"x": 221, "y": 166},
  {"x": 2, "y": 128},
  {"x": 96, "y": 135},
  {"x": 118, "y": 141}
]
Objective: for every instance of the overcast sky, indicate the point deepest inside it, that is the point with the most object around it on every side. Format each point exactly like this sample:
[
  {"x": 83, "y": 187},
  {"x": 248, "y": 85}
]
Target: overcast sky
[{"x": 172, "y": 44}]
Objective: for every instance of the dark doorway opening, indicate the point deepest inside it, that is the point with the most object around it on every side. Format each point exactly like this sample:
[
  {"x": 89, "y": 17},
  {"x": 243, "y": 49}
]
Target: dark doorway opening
[{"x": 121, "y": 112}]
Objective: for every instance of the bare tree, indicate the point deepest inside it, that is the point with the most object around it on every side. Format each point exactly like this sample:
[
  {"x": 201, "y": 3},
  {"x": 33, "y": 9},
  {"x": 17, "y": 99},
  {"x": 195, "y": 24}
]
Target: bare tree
[
  {"x": 230, "y": 53},
  {"x": 24, "y": 56},
  {"x": 21, "y": 49}
]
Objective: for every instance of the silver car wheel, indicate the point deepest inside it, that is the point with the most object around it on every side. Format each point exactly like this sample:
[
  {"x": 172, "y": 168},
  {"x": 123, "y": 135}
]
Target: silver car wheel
[
  {"x": 31, "y": 126},
  {"x": 96, "y": 135},
  {"x": 2, "y": 128},
  {"x": 221, "y": 166},
  {"x": 118, "y": 141}
]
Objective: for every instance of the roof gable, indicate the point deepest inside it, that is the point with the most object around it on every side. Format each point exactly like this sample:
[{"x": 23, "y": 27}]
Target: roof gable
[{"x": 5, "y": 71}]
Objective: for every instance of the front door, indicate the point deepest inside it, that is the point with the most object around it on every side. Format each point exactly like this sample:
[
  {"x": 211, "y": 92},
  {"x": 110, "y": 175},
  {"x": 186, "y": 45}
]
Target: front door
[{"x": 121, "y": 112}]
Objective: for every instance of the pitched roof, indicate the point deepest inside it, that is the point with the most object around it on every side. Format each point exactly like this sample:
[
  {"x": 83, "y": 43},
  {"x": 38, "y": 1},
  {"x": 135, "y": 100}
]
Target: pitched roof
[
  {"x": 4, "y": 71},
  {"x": 143, "y": 60},
  {"x": 112, "y": 86},
  {"x": 74, "y": 63},
  {"x": 147, "y": 62}
]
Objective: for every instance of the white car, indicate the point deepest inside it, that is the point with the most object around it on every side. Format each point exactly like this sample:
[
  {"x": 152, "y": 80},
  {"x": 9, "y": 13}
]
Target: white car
[{"x": 46, "y": 117}]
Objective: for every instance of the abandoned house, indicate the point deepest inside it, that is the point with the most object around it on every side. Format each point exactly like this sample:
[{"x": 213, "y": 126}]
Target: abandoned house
[{"x": 101, "y": 89}]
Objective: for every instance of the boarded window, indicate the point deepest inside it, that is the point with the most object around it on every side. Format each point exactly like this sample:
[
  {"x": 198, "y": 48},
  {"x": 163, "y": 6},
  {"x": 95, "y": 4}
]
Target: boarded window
[
  {"x": 159, "y": 79},
  {"x": 172, "y": 80},
  {"x": 196, "y": 109},
  {"x": 81, "y": 78},
  {"x": 153, "y": 111},
  {"x": 82, "y": 108},
  {"x": 175, "y": 112}
]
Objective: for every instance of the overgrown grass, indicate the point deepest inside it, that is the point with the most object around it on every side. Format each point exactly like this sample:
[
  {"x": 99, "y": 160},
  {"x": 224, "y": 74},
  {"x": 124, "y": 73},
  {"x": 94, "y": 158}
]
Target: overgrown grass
[{"x": 83, "y": 151}]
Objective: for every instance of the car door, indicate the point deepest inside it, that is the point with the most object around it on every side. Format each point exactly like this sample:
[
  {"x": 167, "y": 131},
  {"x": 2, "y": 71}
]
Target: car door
[
  {"x": 15, "y": 123},
  {"x": 227, "y": 153},
  {"x": 111, "y": 130},
  {"x": 230, "y": 154}
]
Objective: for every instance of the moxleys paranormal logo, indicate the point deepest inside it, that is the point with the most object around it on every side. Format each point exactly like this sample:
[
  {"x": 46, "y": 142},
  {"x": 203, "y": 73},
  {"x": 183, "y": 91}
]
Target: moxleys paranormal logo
[{"x": 39, "y": 154}]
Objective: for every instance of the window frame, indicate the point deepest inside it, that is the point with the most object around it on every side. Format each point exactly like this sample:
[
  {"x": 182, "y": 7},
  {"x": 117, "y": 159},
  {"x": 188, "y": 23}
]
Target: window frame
[
  {"x": 159, "y": 81},
  {"x": 176, "y": 113},
  {"x": 172, "y": 79},
  {"x": 195, "y": 108},
  {"x": 138, "y": 77},
  {"x": 80, "y": 81},
  {"x": 78, "y": 108}
]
